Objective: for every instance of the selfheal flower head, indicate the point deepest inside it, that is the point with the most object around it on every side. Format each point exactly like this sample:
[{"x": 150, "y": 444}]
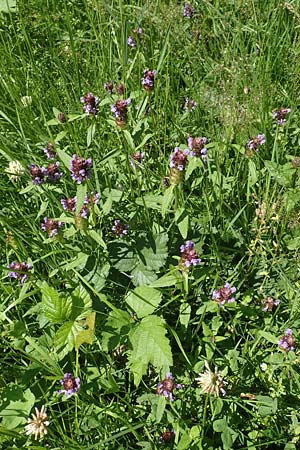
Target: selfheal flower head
[
  {"x": 188, "y": 10},
  {"x": 211, "y": 382},
  {"x": 167, "y": 386},
  {"x": 120, "y": 111},
  {"x": 148, "y": 79},
  {"x": 51, "y": 226},
  {"x": 189, "y": 256},
  {"x": 53, "y": 172},
  {"x": 38, "y": 424},
  {"x": 255, "y": 143},
  {"x": 69, "y": 204},
  {"x": 190, "y": 104},
  {"x": 287, "y": 342},
  {"x": 70, "y": 385},
  {"x": 280, "y": 115},
  {"x": 178, "y": 159},
  {"x": 224, "y": 294},
  {"x": 197, "y": 146},
  {"x": 269, "y": 304},
  {"x": 167, "y": 436},
  {"x": 136, "y": 159},
  {"x": 81, "y": 169},
  {"x": 120, "y": 229},
  {"x": 90, "y": 104},
  {"x": 38, "y": 174},
  {"x": 131, "y": 42},
  {"x": 14, "y": 170},
  {"x": 19, "y": 270},
  {"x": 109, "y": 87},
  {"x": 49, "y": 151}
]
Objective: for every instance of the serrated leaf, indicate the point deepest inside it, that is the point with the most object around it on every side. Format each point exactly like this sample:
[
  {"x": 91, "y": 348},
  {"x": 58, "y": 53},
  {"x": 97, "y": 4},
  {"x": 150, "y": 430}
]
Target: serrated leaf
[
  {"x": 16, "y": 405},
  {"x": 56, "y": 309},
  {"x": 141, "y": 276},
  {"x": 149, "y": 346},
  {"x": 116, "y": 327},
  {"x": 86, "y": 335},
  {"x": 81, "y": 303},
  {"x": 152, "y": 250},
  {"x": 65, "y": 338},
  {"x": 143, "y": 300}
]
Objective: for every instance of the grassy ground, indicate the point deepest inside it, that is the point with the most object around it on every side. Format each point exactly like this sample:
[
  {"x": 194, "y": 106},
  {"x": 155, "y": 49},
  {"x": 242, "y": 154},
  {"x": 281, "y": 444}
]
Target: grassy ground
[{"x": 120, "y": 312}]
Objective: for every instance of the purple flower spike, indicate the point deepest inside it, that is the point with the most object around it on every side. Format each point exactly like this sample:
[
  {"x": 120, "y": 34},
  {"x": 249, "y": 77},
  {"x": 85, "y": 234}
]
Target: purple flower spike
[
  {"x": 188, "y": 10},
  {"x": 131, "y": 42},
  {"x": 120, "y": 229},
  {"x": 280, "y": 115},
  {"x": 81, "y": 169},
  {"x": 224, "y": 295},
  {"x": 38, "y": 174},
  {"x": 256, "y": 142},
  {"x": 197, "y": 146},
  {"x": 109, "y": 87},
  {"x": 148, "y": 79},
  {"x": 49, "y": 151},
  {"x": 179, "y": 159},
  {"x": 70, "y": 385},
  {"x": 190, "y": 104},
  {"x": 51, "y": 226},
  {"x": 90, "y": 104},
  {"x": 268, "y": 304},
  {"x": 167, "y": 436},
  {"x": 53, "y": 172},
  {"x": 189, "y": 256},
  {"x": 69, "y": 204},
  {"x": 120, "y": 111},
  {"x": 167, "y": 386},
  {"x": 136, "y": 159},
  {"x": 19, "y": 271},
  {"x": 287, "y": 342}
]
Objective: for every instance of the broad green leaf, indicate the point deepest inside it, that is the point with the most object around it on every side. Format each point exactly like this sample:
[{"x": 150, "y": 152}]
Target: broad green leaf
[
  {"x": 149, "y": 346},
  {"x": 81, "y": 303},
  {"x": 15, "y": 406},
  {"x": 185, "y": 442},
  {"x": 116, "y": 327},
  {"x": 56, "y": 309},
  {"x": 65, "y": 338},
  {"x": 268, "y": 336},
  {"x": 142, "y": 276},
  {"x": 97, "y": 237},
  {"x": 220, "y": 425},
  {"x": 8, "y": 6},
  {"x": 169, "y": 279},
  {"x": 253, "y": 177},
  {"x": 80, "y": 197},
  {"x": 86, "y": 335},
  {"x": 152, "y": 250},
  {"x": 143, "y": 300},
  {"x": 266, "y": 405},
  {"x": 151, "y": 201},
  {"x": 283, "y": 177},
  {"x": 167, "y": 200}
]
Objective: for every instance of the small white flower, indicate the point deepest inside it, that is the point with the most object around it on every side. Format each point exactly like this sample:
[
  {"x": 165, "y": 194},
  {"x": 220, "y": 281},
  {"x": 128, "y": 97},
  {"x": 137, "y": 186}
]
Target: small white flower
[
  {"x": 14, "y": 170},
  {"x": 211, "y": 382},
  {"x": 26, "y": 100},
  {"x": 38, "y": 425}
]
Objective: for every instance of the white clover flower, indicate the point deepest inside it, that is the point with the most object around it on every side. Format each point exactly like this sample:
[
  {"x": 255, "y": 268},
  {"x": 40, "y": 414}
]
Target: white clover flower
[
  {"x": 38, "y": 425},
  {"x": 14, "y": 170},
  {"x": 26, "y": 100},
  {"x": 211, "y": 382}
]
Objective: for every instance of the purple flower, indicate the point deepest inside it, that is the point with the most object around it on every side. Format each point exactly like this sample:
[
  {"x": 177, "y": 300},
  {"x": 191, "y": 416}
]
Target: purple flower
[
  {"x": 167, "y": 386},
  {"x": 19, "y": 271},
  {"x": 179, "y": 159},
  {"x": 70, "y": 385},
  {"x": 81, "y": 169},
  {"x": 287, "y": 342},
  {"x": 148, "y": 79},
  {"x": 51, "y": 226},
  {"x": 69, "y": 204},
  {"x": 188, "y": 10},
  {"x": 49, "y": 151},
  {"x": 189, "y": 256},
  {"x": 167, "y": 436},
  {"x": 254, "y": 143},
  {"x": 190, "y": 105},
  {"x": 90, "y": 104},
  {"x": 131, "y": 42},
  {"x": 197, "y": 146},
  {"x": 136, "y": 159},
  {"x": 109, "y": 87},
  {"x": 224, "y": 294},
  {"x": 280, "y": 115},
  {"x": 120, "y": 229},
  {"x": 120, "y": 111},
  {"x": 53, "y": 172},
  {"x": 269, "y": 304},
  {"x": 38, "y": 174}
]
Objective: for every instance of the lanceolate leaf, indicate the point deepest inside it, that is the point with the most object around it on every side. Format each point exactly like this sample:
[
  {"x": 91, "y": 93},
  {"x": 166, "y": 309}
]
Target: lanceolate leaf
[{"x": 149, "y": 345}]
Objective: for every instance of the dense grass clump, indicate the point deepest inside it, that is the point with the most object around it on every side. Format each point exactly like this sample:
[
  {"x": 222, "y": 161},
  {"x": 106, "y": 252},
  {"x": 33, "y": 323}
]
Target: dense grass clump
[{"x": 150, "y": 224}]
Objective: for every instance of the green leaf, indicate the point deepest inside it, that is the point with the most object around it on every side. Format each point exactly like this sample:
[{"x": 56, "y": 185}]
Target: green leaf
[
  {"x": 116, "y": 327},
  {"x": 65, "y": 338},
  {"x": 281, "y": 174},
  {"x": 143, "y": 300},
  {"x": 8, "y": 6},
  {"x": 129, "y": 140},
  {"x": 267, "y": 405},
  {"x": 220, "y": 425},
  {"x": 152, "y": 250},
  {"x": 182, "y": 221},
  {"x": 268, "y": 336},
  {"x": 185, "y": 314},
  {"x": 80, "y": 197},
  {"x": 167, "y": 200},
  {"x": 81, "y": 303},
  {"x": 149, "y": 346},
  {"x": 86, "y": 335},
  {"x": 151, "y": 201},
  {"x": 90, "y": 134},
  {"x": 15, "y": 406},
  {"x": 169, "y": 279},
  {"x": 185, "y": 442},
  {"x": 142, "y": 276},
  {"x": 64, "y": 157},
  {"x": 160, "y": 408},
  {"x": 57, "y": 309}
]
